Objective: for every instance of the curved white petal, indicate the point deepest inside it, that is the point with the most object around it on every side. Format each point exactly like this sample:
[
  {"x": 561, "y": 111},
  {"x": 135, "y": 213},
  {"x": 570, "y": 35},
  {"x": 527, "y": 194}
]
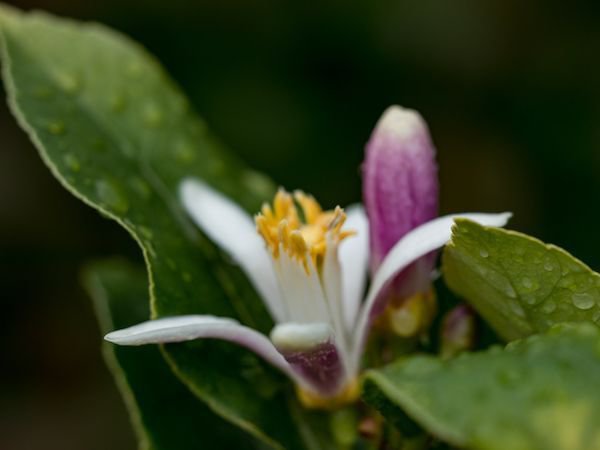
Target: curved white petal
[
  {"x": 301, "y": 291},
  {"x": 417, "y": 243},
  {"x": 291, "y": 336},
  {"x": 354, "y": 260},
  {"x": 331, "y": 279},
  {"x": 190, "y": 327},
  {"x": 232, "y": 229}
]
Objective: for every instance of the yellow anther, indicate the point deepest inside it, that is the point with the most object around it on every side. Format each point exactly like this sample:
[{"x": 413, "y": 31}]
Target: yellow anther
[
  {"x": 310, "y": 207},
  {"x": 281, "y": 227},
  {"x": 297, "y": 243}
]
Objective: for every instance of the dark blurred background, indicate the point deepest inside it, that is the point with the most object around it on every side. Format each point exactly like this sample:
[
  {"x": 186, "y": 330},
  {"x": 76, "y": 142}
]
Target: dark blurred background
[{"x": 510, "y": 89}]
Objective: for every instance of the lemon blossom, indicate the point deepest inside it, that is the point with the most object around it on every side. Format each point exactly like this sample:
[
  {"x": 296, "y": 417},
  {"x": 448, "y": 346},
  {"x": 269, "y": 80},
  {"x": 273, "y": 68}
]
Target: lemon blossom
[{"x": 310, "y": 266}]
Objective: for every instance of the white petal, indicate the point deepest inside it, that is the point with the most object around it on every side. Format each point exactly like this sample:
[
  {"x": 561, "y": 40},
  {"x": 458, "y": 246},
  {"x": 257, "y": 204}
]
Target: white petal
[
  {"x": 415, "y": 244},
  {"x": 232, "y": 229},
  {"x": 301, "y": 291},
  {"x": 300, "y": 336},
  {"x": 331, "y": 279},
  {"x": 187, "y": 328},
  {"x": 354, "y": 259}
]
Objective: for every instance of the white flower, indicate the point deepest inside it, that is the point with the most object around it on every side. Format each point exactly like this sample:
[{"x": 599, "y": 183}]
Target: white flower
[
  {"x": 310, "y": 267},
  {"x": 311, "y": 277}
]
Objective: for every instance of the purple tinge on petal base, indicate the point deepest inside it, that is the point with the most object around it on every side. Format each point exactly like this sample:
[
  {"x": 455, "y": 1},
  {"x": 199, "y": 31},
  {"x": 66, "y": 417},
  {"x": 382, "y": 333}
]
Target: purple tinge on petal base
[
  {"x": 400, "y": 186},
  {"x": 320, "y": 366}
]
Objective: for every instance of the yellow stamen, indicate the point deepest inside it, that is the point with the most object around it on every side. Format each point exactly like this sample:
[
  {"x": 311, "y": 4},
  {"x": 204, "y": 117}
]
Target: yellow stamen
[
  {"x": 411, "y": 316},
  {"x": 348, "y": 395},
  {"x": 281, "y": 227}
]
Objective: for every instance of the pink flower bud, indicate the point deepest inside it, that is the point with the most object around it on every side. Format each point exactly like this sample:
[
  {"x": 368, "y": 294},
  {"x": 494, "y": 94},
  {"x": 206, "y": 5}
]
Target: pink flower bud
[{"x": 400, "y": 185}]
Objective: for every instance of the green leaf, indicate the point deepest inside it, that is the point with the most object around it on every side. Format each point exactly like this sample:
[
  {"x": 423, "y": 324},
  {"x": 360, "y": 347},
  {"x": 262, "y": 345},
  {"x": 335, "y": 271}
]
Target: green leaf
[
  {"x": 119, "y": 135},
  {"x": 518, "y": 284},
  {"x": 540, "y": 393},
  {"x": 165, "y": 414}
]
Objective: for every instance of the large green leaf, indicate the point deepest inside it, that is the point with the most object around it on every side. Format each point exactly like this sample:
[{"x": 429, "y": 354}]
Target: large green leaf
[
  {"x": 540, "y": 393},
  {"x": 120, "y": 136},
  {"x": 165, "y": 414},
  {"x": 517, "y": 283}
]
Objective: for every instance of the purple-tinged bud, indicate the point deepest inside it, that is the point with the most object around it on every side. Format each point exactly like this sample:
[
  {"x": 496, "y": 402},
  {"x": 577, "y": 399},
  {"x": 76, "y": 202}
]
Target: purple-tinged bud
[
  {"x": 458, "y": 331},
  {"x": 400, "y": 185}
]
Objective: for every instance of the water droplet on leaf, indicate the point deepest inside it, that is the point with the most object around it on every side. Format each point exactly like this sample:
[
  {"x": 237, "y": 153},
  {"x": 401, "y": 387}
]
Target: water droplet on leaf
[
  {"x": 72, "y": 162},
  {"x": 146, "y": 232},
  {"x": 185, "y": 152},
  {"x": 517, "y": 309},
  {"x": 110, "y": 194},
  {"x": 583, "y": 301},
  {"x": 134, "y": 69},
  {"x": 152, "y": 115},
  {"x": 69, "y": 83},
  {"x": 483, "y": 253},
  {"x": 56, "y": 127},
  {"x": 548, "y": 307}
]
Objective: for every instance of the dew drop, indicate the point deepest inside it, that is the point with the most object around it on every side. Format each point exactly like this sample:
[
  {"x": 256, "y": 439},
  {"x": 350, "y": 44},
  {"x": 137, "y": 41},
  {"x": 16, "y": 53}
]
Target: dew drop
[
  {"x": 185, "y": 152},
  {"x": 517, "y": 309},
  {"x": 527, "y": 283},
  {"x": 134, "y": 69},
  {"x": 152, "y": 115},
  {"x": 510, "y": 292},
  {"x": 483, "y": 253},
  {"x": 548, "y": 266},
  {"x": 583, "y": 301},
  {"x": 548, "y": 307},
  {"x": 111, "y": 195},
  {"x": 146, "y": 232},
  {"x": 596, "y": 316},
  {"x": 69, "y": 83},
  {"x": 72, "y": 162},
  {"x": 56, "y": 127}
]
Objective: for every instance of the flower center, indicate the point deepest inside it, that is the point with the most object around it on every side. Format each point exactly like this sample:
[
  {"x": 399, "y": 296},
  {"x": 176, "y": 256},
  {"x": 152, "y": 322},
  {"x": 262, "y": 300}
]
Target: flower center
[{"x": 283, "y": 229}]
